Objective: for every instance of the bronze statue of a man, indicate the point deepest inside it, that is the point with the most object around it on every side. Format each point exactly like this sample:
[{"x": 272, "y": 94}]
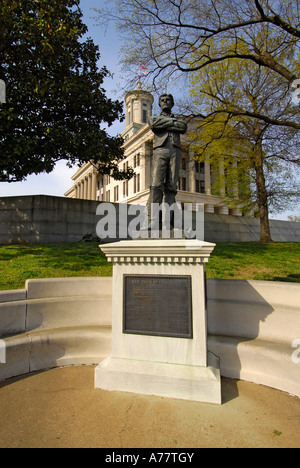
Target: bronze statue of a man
[{"x": 167, "y": 154}]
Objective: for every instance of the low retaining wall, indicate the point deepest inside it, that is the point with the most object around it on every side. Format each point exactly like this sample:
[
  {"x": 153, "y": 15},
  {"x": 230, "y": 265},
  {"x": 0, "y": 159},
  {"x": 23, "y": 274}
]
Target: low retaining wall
[
  {"x": 251, "y": 324},
  {"x": 224, "y": 228},
  {"x": 46, "y": 219},
  {"x": 54, "y": 323}
]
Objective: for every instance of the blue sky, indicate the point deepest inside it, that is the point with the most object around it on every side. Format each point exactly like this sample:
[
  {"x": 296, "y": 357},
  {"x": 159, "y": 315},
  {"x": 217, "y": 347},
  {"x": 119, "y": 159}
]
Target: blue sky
[{"x": 59, "y": 181}]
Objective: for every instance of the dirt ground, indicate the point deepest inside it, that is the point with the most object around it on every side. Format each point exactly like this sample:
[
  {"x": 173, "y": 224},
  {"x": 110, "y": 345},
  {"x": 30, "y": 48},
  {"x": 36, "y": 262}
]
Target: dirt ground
[{"x": 60, "y": 408}]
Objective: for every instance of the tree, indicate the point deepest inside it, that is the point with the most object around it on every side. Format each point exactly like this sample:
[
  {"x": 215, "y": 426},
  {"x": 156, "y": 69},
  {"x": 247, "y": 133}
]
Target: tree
[
  {"x": 214, "y": 41},
  {"x": 166, "y": 35},
  {"x": 294, "y": 219},
  {"x": 56, "y": 107},
  {"x": 232, "y": 96}
]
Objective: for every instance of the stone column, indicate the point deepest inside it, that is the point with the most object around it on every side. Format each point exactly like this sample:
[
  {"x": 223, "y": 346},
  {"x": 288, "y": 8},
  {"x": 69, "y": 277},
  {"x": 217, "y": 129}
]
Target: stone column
[
  {"x": 94, "y": 186},
  {"x": 222, "y": 178},
  {"x": 89, "y": 179},
  {"x": 91, "y": 195},
  {"x": 85, "y": 188},
  {"x": 207, "y": 178},
  {"x": 191, "y": 171},
  {"x": 236, "y": 178}
]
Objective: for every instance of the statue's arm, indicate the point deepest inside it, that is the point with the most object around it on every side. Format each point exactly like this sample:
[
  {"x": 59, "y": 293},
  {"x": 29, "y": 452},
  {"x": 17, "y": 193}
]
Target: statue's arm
[
  {"x": 168, "y": 123},
  {"x": 161, "y": 122},
  {"x": 180, "y": 126}
]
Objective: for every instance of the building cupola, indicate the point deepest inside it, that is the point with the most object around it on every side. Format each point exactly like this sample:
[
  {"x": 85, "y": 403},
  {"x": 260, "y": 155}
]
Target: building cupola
[{"x": 138, "y": 106}]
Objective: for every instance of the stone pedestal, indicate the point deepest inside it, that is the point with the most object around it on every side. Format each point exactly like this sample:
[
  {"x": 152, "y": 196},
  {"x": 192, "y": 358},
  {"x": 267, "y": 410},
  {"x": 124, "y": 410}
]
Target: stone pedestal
[{"x": 159, "y": 326}]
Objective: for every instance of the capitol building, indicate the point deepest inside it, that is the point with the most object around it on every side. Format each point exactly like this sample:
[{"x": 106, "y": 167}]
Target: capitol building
[{"x": 196, "y": 183}]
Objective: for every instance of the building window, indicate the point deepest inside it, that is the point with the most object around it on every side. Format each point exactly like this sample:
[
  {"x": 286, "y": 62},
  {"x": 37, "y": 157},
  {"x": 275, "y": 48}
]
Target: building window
[
  {"x": 129, "y": 114},
  {"x": 116, "y": 193},
  {"x": 137, "y": 160},
  {"x": 200, "y": 186},
  {"x": 200, "y": 168},
  {"x": 145, "y": 112},
  {"x": 135, "y": 113},
  {"x": 183, "y": 164},
  {"x": 182, "y": 183},
  {"x": 136, "y": 183},
  {"x": 108, "y": 196},
  {"x": 125, "y": 188}
]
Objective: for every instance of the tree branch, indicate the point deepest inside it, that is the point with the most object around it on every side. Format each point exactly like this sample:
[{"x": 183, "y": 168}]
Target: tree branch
[
  {"x": 255, "y": 115},
  {"x": 277, "y": 21}
]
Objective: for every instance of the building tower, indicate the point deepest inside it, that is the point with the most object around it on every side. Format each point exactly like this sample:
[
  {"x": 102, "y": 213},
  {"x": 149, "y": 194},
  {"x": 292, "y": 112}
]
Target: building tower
[{"x": 138, "y": 110}]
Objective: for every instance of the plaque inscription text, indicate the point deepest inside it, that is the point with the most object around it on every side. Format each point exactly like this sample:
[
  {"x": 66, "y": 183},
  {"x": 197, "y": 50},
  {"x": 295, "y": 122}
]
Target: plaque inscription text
[{"x": 158, "y": 305}]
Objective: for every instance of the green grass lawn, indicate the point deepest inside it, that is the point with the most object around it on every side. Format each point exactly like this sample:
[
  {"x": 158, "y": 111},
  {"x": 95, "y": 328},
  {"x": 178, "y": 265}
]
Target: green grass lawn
[{"x": 271, "y": 262}]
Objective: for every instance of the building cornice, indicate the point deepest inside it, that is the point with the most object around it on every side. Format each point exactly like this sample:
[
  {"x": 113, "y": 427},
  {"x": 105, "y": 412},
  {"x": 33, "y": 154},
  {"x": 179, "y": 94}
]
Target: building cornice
[{"x": 145, "y": 134}]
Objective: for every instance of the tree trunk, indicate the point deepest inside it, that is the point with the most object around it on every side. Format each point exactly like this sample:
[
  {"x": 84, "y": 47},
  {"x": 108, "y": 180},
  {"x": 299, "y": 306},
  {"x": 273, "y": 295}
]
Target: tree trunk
[{"x": 262, "y": 196}]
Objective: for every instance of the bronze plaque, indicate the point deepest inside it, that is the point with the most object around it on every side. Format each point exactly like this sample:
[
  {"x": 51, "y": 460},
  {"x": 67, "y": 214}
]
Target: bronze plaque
[{"x": 158, "y": 305}]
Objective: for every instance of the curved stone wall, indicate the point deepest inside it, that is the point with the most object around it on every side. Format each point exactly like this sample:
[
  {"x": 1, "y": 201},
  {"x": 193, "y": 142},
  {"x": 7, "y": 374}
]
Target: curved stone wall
[{"x": 252, "y": 326}]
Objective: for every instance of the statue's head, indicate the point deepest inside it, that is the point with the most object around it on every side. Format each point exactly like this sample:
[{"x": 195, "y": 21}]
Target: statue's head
[{"x": 166, "y": 102}]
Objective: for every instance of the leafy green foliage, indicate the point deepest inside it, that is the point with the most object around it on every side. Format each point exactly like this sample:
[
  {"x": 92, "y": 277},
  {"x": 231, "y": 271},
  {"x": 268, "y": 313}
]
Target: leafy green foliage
[
  {"x": 259, "y": 159},
  {"x": 56, "y": 107}
]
